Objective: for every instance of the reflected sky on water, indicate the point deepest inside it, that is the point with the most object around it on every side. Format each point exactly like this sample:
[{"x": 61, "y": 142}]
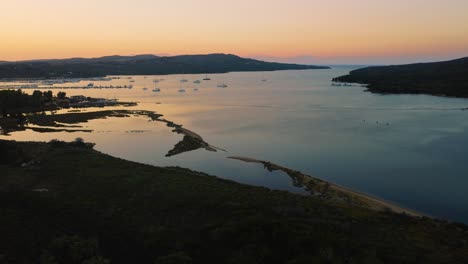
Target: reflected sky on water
[{"x": 408, "y": 149}]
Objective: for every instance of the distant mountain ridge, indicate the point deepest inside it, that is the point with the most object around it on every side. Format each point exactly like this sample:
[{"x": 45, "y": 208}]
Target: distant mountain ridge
[
  {"x": 140, "y": 65},
  {"x": 447, "y": 78}
]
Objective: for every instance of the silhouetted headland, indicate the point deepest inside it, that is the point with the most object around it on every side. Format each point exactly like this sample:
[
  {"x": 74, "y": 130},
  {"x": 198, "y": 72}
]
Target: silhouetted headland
[{"x": 447, "y": 78}]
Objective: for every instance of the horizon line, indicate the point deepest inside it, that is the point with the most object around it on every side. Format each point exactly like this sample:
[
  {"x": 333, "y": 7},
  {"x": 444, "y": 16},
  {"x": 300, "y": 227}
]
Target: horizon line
[{"x": 261, "y": 57}]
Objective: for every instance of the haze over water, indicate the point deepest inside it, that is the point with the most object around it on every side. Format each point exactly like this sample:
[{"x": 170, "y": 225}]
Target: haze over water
[{"x": 408, "y": 149}]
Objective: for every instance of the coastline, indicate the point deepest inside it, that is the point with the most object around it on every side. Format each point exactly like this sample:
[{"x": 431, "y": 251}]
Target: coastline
[
  {"x": 70, "y": 195},
  {"x": 192, "y": 141},
  {"x": 445, "y": 78},
  {"x": 363, "y": 199}
]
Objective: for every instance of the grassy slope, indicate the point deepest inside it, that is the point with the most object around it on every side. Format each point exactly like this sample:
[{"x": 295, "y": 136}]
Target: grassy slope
[
  {"x": 448, "y": 78},
  {"x": 100, "y": 208}
]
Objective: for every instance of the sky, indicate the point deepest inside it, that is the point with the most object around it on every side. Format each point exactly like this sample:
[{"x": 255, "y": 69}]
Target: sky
[{"x": 308, "y": 31}]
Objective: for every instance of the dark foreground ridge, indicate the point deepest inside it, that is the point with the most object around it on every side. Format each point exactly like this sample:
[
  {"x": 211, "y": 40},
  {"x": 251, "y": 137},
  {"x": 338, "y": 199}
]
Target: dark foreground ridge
[
  {"x": 448, "y": 78},
  {"x": 140, "y": 65},
  {"x": 67, "y": 203}
]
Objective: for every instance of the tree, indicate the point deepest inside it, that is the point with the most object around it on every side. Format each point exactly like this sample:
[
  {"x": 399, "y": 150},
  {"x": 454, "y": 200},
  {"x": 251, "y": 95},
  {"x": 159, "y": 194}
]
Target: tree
[
  {"x": 36, "y": 99},
  {"x": 61, "y": 95},
  {"x": 48, "y": 96}
]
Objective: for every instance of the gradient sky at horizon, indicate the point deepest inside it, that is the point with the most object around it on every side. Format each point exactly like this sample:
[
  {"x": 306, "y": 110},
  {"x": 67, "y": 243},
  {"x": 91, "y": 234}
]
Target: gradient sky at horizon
[{"x": 361, "y": 31}]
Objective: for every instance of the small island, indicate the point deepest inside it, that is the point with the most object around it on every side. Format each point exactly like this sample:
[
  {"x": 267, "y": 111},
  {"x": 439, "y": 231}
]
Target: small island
[{"x": 448, "y": 78}]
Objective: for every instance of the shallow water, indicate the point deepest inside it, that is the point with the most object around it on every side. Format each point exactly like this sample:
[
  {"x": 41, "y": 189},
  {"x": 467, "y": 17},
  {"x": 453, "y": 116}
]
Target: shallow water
[{"x": 408, "y": 149}]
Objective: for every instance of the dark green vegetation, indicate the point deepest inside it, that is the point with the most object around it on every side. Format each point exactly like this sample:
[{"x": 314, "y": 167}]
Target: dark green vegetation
[
  {"x": 140, "y": 65},
  {"x": 66, "y": 203},
  {"x": 14, "y": 102},
  {"x": 448, "y": 78},
  {"x": 18, "y": 109}
]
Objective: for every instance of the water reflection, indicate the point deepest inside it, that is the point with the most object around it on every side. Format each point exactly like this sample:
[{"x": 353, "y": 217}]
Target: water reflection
[
  {"x": 68, "y": 122},
  {"x": 299, "y": 120}
]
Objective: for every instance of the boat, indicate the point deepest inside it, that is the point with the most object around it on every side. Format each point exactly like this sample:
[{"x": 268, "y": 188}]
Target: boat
[
  {"x": 156, "y": 89},
  {"x": 222, "y": 85},
  {"x": 195, "y": 89},
  {"x": 182, "y": 90},
  {"x": 183, "y": 80},
  {"x": 206, "y": 78},
  {"x": 264, "y": 80},
  {"x": 144, "y": 88},
  {"x": 197, "y": 81},
  {"x": 132, "y": 81}
]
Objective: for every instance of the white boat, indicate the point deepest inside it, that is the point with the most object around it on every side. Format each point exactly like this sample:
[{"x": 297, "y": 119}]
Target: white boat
[
  {"x": 155, "y": 81},
  {"x": 222, "y": 85},
  {"x": 182, "y": 90},
  {"x": 183, "y": 80},
  {"x": 197, "y": 81}
]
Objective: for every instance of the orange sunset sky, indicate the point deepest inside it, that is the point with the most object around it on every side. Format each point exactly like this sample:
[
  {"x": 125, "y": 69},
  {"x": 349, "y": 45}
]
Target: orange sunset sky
[{"x": 359, "y": 31}]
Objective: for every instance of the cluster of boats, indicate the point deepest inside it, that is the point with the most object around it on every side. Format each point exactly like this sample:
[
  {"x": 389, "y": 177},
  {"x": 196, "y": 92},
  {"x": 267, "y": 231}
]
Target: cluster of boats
[
  {"x": 55, "y": 84},
  {"x": 182, "y": 90},
  {"x": 55, "y": 87}
]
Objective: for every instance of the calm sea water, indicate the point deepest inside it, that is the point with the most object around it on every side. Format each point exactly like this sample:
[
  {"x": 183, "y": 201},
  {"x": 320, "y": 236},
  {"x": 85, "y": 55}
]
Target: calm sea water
[{"x": 408, "y": 149}]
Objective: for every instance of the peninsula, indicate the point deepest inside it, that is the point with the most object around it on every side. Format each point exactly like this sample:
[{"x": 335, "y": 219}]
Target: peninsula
[{"x": 447, "y": 78}]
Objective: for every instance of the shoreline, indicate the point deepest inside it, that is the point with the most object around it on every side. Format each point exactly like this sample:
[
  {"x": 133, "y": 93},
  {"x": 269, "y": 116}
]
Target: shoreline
[
  {"x": 311, "y": 183},
  {"x": 69, "y": 194},
  {"x": 192, "y": 141}
]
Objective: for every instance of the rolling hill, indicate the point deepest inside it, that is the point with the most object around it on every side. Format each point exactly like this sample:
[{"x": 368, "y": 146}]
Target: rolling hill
[
  {"x": 140, "y": 65},
  {"x": 447, "y": 78}
]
